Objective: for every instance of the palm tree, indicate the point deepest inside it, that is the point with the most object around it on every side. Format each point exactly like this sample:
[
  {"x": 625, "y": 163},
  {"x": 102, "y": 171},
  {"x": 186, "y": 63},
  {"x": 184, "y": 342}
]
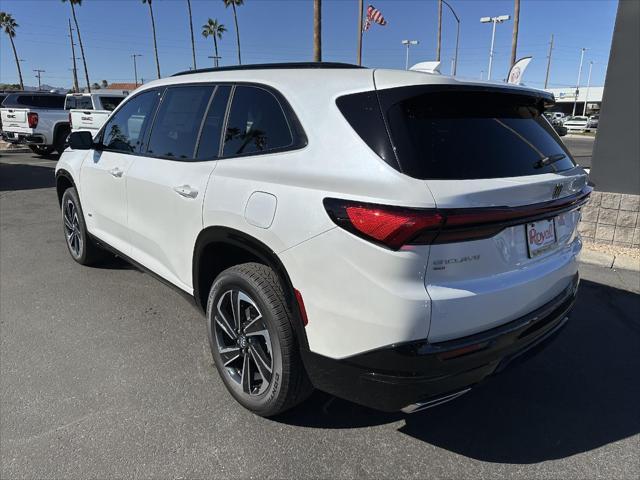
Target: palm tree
[
  {"x": 215, "y": 29},
  {"x": 75, "y": 20},
  {"x": 9, "y": 25},
  {"x": 153, "y": 27},
  {"x": 317, "y": 30},
  {"x": 234, "y": 4},
  {"x": 193, "y": 43},
  {"x": 104, "y": 84}
]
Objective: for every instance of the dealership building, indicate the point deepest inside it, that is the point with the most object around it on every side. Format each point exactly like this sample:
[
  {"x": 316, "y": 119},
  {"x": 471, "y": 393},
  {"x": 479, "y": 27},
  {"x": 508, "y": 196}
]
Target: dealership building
[{"x": 566, "y": 97}]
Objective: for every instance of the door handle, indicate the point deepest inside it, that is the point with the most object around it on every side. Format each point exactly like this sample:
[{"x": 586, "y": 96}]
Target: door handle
[
  {"x": 116, "y": 172},
  {"x": 186, "y": 191}
]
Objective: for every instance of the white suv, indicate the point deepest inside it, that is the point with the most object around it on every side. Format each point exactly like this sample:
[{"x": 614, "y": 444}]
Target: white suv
[{"x": 389, "y": 237}]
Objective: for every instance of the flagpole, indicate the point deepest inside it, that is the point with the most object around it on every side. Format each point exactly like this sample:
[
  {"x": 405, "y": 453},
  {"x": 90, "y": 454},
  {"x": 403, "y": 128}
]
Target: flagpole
[{"x": 360, "y": 14}]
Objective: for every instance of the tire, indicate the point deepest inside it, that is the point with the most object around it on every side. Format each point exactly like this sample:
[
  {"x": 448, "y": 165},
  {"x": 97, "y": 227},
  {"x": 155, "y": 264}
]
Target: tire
[
  {"x": 243, "y": 354},
  {"x": 81, "y": 247},
  {"x": 60, "y": 143},
  {"x": 41, "y": 149}
]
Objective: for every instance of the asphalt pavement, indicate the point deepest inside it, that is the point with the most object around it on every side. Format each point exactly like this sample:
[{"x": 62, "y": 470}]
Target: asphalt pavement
[
  {"x": 581, "y": 147},
  {"x": 105, "y": 373}
]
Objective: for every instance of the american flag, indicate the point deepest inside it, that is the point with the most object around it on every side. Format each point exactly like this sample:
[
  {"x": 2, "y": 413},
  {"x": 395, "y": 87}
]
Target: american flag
[{"x": 373, "y": 16}]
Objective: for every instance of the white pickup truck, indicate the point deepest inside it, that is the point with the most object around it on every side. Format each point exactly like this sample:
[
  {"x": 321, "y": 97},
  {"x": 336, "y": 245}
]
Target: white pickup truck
[
  {"x": 36, "y": 119},
  {"x": 89, "y": 111}
]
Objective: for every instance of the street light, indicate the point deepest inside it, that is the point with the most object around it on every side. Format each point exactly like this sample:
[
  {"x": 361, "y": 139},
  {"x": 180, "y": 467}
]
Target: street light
[
  {"x": 494, "y": 20},
  {"x": 586, "y": 96},
  {"x": 575, "y": 101},
  {"x": 408, "y": 44},
  {"x": 455, "y": 63}
]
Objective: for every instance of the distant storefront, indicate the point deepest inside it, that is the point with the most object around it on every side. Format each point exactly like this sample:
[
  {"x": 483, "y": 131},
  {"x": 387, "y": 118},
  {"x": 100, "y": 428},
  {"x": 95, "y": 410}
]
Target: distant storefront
[{"x": 566, "y": 97}]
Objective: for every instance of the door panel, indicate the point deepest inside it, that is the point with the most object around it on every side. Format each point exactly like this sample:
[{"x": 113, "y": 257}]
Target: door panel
[
  {"x": 103, "y": 177},
  {"x": 165, "y": 214}
]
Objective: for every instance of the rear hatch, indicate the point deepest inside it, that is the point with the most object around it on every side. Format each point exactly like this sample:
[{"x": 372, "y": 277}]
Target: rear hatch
[{"x": 508, "y": 190}]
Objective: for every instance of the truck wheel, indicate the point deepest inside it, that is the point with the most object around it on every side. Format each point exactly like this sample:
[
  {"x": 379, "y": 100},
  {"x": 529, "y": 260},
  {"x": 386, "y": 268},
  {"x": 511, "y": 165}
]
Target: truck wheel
[
  {"x": 60, "y": 143},
  {"x": 41, "y": 149},
  {"x": 252, "y": 340}
]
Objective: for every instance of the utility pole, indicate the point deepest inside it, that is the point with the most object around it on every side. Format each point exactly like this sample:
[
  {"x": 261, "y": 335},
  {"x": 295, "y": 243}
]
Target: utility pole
[
  {"x": 439, "y": 45},
  {"x": 76, "y": 88},
  {"x": 135, "y": 66},
  {"x": 216, "y": 59},
  {"x": 360, "y": 17},
  {"x": 575, "y": 102},
  {"x": 38, "y": 75},
  {"x": 586, "y": 96},
  {"x": 317, "y": 30},
  {"x": 514, "y": 39},
  {"x": 546, "y": 77}
]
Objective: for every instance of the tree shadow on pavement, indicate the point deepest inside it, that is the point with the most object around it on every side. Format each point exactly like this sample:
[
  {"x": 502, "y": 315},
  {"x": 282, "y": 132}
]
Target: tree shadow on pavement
[
  {"x": 578, "y": 394},
  {"x": 25, "y": 177}
]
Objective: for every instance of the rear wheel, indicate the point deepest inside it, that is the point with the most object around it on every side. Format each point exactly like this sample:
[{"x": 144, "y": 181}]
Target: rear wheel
[
  {"x": 252, "y": 340},
  {"x": 60, "y": 142},
  {"x": 42, "y": 149},
  {"x": 81, "y": 247}
]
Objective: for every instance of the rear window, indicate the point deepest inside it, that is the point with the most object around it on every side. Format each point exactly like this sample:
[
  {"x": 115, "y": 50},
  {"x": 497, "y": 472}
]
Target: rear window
[
  {"x": 110, "y": 103},
  {"x": 454, "y": 134},
  {"x": 34, "y": 101},
  {"x": 79, "y": 103}
]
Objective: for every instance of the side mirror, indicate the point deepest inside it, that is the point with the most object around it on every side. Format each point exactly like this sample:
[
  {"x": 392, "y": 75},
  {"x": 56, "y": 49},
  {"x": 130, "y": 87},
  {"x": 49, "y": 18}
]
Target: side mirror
[{"x": 81, "y": 140}]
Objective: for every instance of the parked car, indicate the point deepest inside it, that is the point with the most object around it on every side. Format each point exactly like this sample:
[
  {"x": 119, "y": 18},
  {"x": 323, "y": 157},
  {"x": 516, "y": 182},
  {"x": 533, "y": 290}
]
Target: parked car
[
  {"x": 556, "y": 123},
  {"x": 35, "y": 119},
  {"x": 89, "y": 111},
  {"x": 593, "y": 121},
  {"x": 559, "y": 117},
  {"x": 577, "y": 124},
  {"x": 389, "y": 237}
]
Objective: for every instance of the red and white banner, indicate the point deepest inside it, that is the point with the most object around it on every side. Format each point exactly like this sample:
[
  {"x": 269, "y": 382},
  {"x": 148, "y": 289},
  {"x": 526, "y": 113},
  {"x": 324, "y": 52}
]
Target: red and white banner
[{"x": 373, "y": 16}]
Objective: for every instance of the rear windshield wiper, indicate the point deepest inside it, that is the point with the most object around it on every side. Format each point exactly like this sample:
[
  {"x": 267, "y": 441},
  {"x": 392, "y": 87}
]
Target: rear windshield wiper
[{"x": 548, "y": 160}]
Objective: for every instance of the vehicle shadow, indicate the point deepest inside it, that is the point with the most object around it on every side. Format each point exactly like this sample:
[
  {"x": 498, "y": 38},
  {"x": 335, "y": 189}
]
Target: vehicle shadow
[
  {"x": 578, "y": 394},
  {"x": 25, "y": 177}
]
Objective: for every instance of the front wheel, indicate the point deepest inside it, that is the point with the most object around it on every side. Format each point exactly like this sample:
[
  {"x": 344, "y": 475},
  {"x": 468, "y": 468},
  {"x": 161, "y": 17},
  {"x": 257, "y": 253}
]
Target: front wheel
[
  {"x": 81, "y": 247},
  {"x": 252, "y": 340}
]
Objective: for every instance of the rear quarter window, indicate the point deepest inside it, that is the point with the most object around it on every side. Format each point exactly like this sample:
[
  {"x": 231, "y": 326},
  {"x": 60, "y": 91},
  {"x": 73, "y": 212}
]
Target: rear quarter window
[{"x": 110, "y": 103}]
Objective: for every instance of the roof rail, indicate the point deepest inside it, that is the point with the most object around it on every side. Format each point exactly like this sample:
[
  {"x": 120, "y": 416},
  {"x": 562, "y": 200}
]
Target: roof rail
[{"x": 271, "y": 66}]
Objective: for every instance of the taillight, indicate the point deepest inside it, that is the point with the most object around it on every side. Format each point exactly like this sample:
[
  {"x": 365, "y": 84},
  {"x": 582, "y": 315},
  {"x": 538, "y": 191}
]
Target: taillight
[
  {"x": 395, "y": 227},
  {"x": 389, "y": 226},
  {"x": 32, "y": 118}
]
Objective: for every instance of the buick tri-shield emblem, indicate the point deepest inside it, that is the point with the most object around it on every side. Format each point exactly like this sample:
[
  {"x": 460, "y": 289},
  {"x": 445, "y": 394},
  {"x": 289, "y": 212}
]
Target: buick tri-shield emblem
[{"x": 557, "y": 191}]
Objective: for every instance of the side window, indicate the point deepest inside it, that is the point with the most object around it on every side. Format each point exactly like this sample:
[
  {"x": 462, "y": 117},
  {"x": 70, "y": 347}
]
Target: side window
[
  {"x": 209, "y": 145},
  {"x": 110, "y": 103},
  {"x": 175, "y": 129},
  {"x": 256, "y": 123},
  {"x": 125, "y": 130}
]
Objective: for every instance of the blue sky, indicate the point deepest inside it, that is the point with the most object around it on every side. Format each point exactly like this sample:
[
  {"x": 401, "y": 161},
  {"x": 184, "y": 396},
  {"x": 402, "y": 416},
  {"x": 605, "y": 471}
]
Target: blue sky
[{"x": 281, "y": 30}]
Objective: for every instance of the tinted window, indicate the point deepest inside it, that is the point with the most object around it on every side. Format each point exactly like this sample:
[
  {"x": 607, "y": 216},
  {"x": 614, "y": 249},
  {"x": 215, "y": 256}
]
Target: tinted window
[
  {"x": 110, "y": 103},
  {"x": 125, "y": 130},
  {"x": 79, "y": 102},
  {"x": 256, "y": 123},
  {"x": 470, "y": 134},
  {"x": 209, "y": 145},
  {"x": 175, "y": 129},
  {"x": 16, "y": 100}
]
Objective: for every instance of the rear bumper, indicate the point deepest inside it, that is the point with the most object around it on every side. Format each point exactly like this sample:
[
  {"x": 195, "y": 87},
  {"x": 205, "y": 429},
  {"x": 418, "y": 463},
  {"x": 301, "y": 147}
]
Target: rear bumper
[
  {"x": 416, "y": 374},
  {"x": 24, "y": 138}
]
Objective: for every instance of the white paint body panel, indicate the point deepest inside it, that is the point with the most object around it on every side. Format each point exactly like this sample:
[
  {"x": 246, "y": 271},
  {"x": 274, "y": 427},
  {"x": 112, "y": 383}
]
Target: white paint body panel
[{"x": 358, "y": 296}]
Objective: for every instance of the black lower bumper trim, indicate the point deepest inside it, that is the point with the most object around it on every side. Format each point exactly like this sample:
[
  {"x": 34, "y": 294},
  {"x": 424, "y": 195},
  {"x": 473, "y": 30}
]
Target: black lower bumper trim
[{"x": 394, "y": 377}]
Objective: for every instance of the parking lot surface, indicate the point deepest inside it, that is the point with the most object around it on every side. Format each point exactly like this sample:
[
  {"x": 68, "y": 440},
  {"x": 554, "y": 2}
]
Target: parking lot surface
[
  {"x": 581, "y": 147},
  {"x": 105, "y": 373}
]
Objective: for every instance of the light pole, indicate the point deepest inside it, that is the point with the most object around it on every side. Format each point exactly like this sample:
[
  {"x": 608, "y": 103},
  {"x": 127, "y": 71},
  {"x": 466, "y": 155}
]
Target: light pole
[
  {"x": 575, "y": 101},
  {"x": 408, "y": 43},
  {"x": 455, "y": 64},
  {"x": 495, "y": 21},
  {"x": 135, "y": 66},
  {"x": 586, "y": 96}
]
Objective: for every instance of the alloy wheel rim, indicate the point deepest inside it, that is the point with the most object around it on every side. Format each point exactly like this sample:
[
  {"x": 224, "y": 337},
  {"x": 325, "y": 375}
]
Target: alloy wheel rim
[
  {"x": 72, "y": 228},
  {"x": 243, "y": 342}
]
